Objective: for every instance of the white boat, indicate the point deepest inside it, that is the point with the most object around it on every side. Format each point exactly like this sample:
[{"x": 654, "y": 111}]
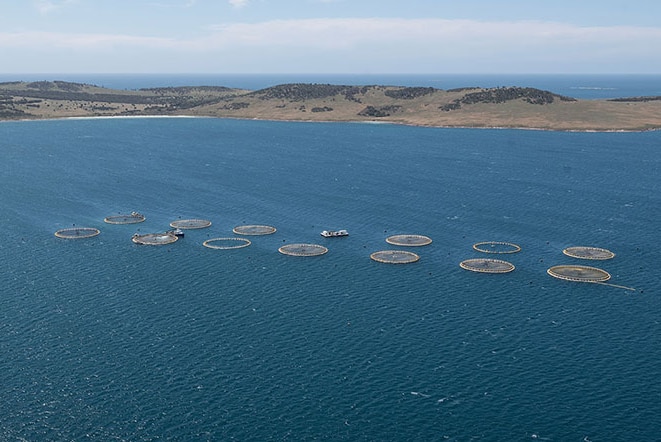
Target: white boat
[{"x": 334, "y": 233}]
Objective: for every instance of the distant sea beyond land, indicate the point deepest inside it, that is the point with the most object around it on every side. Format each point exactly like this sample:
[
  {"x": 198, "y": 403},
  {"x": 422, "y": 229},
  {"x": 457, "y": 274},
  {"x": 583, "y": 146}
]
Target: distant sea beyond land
[{"x": 582, "y": 86}]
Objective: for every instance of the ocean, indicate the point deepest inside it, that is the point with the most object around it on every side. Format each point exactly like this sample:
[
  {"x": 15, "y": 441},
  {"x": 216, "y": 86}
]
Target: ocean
[
  {"x": 102, "y": 339},
  {"x": 585, "y": 86}
]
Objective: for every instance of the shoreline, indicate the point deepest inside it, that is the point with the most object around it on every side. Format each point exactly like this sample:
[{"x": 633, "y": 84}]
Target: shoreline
[{"x": 366, "y": 122}]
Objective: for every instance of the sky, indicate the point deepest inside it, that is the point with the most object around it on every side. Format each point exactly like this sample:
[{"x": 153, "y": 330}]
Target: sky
[{"x": 330, "y": 36}]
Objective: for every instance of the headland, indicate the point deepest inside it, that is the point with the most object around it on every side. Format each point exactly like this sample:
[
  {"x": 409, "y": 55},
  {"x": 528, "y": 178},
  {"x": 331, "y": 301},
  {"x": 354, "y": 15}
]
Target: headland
[{"x": 471, "y": 107}]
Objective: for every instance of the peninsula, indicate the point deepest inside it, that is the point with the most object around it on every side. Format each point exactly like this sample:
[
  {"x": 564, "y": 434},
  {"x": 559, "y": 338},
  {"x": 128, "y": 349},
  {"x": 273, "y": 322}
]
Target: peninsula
[{"x": 507, "y": 107}]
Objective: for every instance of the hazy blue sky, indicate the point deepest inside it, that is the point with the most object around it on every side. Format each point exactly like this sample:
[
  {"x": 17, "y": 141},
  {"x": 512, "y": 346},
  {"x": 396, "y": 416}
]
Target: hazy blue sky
[{"x": 330, "y": 36}]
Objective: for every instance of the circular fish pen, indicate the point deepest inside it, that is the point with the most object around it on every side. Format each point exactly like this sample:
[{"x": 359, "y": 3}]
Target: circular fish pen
[
  {"x": 496, "y": 247},
  {"x": 254, "y": 230},
  {"x": 594, "y": 253},
  {"x": 409, "y": 240},
  {"x": 579, "y": 273},
  {"x": 226, "y": 243},
  {"x": 487, "y": 265},
  {"x": 190, "y": 224},
  {"x": 394, "y": 257},
  {"x": 77, "y": 232},
  {"x": 132, "y": 218},
  {"x": 155, "y": 239},
  {"x": 303, "y": 250}
]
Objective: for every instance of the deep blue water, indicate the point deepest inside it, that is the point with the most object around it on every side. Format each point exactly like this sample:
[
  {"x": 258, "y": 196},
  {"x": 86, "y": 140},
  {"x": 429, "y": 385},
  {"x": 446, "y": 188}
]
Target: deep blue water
[
  {"x": 584, "y": 86},
  {"x": 102, "y": 339}
]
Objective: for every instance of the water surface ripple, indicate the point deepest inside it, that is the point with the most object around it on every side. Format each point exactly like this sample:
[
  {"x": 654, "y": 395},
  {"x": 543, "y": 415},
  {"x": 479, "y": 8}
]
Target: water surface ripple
[{"x": 103, "y": 339}]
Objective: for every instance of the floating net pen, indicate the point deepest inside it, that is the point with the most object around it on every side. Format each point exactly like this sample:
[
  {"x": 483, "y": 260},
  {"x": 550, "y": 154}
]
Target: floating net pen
[
  {"x": 394, "y": 257},
  {"x": 409, "y": 240},
  {"x": 77, "y": 232},
  {"x": 254, "y": 230},
  {"x": 303, "y": 250},
  {"x": 578, "y": 273},
  {"x": 594, "y": 253},
  {"x": 154, "y": 239},
  {"x": 496, "y": 247},
  {"x": 190, "y": 224},
  {"x": 226, "y": 243},
  {"x": 487, "y": 265},
  {"x": 131, "y": 218}
]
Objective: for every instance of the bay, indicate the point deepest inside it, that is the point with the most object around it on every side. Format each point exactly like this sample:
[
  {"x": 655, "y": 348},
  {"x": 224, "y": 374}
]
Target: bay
[{"x": 103, "y": 339}]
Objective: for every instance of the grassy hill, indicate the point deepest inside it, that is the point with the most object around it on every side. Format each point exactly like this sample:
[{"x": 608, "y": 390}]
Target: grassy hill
[{"x": 519, "y": 107}]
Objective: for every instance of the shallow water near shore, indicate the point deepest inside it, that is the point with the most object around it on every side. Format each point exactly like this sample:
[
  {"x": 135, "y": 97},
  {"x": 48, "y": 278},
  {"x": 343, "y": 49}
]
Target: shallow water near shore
[{"x": 104, "y": 339}]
